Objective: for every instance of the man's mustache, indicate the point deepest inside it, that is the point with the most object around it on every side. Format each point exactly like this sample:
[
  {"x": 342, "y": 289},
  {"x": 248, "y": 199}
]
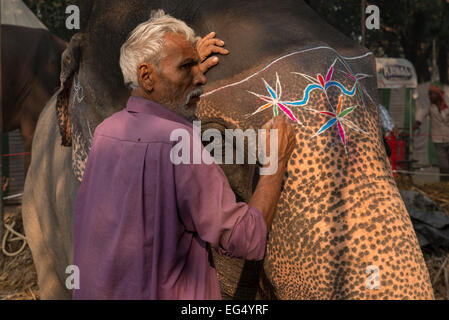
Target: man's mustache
[{"x": 195, "y": 93}]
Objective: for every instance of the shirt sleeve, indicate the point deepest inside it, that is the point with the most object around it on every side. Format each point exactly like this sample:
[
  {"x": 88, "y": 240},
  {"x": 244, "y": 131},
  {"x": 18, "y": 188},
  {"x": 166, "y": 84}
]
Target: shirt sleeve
[{"x": 208, "y": 207}]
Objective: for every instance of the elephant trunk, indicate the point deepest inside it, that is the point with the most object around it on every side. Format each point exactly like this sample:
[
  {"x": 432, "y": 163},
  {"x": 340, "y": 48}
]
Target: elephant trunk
[{"x": 342, "y": 230}]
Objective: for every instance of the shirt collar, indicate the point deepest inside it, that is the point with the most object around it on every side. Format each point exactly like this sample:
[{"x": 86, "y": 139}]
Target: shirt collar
[{"x": 142, "y": 105}]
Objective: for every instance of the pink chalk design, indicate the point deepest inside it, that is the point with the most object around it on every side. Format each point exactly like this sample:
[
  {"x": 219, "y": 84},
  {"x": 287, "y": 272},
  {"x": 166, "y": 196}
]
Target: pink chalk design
[
  {"x": 274, "y": 100},
  {"x": 338, "y": 118},
  {"x": 323, "y": 84}
]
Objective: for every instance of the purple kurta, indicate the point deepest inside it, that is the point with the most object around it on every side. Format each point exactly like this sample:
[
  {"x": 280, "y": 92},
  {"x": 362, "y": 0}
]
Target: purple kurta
[{"x": 143, "y": 225}]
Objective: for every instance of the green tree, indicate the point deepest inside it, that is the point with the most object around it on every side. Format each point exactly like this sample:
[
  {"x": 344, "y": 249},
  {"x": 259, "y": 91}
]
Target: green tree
[
  {"x": 408, "y": 28},
  {"x": 52, "y": 14}
]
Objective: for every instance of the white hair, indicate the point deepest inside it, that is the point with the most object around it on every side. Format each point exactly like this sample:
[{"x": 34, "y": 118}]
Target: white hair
[{"x": 146, "y": 44}]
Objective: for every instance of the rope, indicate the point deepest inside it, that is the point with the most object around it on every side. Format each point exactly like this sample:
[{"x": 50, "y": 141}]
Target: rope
[
  {"x": 19, "y": 237},
  {"x": 13, "y": 196}
]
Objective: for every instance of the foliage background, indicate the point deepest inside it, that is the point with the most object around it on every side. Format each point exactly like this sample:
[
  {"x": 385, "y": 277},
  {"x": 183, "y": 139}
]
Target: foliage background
[
  {"x": 52, "y": 14},
  {"x": 408, "y": 27}
]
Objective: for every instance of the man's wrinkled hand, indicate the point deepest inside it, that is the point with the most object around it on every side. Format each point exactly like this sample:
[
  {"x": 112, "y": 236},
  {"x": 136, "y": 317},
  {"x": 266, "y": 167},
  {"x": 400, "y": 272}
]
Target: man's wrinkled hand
[
  {"x": 208, "y": 46},
  {"x": 286, "y": 138}
]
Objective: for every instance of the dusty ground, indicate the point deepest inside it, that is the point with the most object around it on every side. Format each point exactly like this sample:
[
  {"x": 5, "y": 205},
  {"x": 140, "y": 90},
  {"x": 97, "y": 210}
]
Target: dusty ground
[
  {"x": 18, "y": 279},
  {"x": 438, "y": 265}
]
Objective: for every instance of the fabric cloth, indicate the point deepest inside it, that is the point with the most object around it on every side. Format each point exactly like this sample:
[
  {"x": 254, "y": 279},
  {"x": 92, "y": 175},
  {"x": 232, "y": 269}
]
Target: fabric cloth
[
  {"x": 440, "y": 122},
  {"x": 144, "y": 226}
]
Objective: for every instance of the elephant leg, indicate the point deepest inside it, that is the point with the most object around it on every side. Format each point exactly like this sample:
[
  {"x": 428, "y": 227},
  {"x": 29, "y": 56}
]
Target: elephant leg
[
  {"x": 49, "y": 283},
  {"x": 47, "y": 206},
  {"x": 239, "y": 279}
]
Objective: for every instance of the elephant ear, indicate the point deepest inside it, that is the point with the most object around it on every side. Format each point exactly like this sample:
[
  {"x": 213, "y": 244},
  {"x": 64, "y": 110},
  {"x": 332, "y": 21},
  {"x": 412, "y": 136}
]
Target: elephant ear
[
  {"x": 241, "y": 177},
  {"x": 69, "y": 66}
]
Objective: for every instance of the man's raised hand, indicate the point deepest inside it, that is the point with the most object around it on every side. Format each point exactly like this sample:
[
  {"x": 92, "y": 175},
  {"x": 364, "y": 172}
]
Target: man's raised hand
[{"x": 206, "y": 47}]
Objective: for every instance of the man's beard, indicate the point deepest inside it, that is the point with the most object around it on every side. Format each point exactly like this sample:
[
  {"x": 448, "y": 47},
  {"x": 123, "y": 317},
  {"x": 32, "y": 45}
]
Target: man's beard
[{"x": 179, "y": 105}]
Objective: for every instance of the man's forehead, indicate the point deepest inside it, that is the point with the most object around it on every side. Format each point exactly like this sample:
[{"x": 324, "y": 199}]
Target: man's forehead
[{"x": 178, "y": 47}]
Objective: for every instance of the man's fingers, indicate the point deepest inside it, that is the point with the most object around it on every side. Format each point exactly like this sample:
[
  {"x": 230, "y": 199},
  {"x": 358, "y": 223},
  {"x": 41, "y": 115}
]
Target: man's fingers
[
  {"x": 209, "y": 36},
  {"x": 268, "y": 125},
  {"x": 212, "y": 49},
  {"x": 211, "y": 42},
  {"x": 220, "y": 50},
  {"x": 207, "y": 46},
  {"x": 201, "y": 41},
  {"x": 209, "y": 63},
  {"x": 277, "y": 123}
]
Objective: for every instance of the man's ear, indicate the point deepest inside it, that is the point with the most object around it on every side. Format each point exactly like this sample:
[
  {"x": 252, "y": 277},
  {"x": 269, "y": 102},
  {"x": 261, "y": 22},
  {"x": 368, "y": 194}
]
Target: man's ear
[{"x": 146, "y": 75}]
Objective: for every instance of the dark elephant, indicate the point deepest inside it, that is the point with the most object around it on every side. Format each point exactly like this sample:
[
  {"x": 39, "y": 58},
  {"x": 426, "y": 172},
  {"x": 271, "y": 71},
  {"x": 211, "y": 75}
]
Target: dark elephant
[
  {"x": 341, "y": 230},
  {"x": 31, "y": 64}
]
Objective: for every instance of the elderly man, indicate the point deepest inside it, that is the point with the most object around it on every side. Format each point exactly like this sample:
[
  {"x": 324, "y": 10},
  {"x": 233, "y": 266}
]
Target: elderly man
[
  {"x": 439, "y": 114},
  {"x": 144, "y": 226}
]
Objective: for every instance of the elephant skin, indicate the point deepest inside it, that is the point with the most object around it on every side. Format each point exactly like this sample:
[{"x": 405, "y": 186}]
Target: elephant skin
[
  {"x": 47, "y": 206},
  {"x": 341, "y": 230}
]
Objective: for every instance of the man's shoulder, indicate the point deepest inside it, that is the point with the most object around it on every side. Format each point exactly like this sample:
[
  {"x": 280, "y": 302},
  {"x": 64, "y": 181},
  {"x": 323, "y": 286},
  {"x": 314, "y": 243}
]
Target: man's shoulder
[{"x": 139, "y": 127}]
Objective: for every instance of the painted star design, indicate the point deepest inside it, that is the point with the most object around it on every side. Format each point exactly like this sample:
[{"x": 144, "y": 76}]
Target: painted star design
[
  {"x": 339, "y": 119},
  {"x": 274, "y": 101},
  {"x": 338, "y": 116},
  {"x": 323, "y": 82}
]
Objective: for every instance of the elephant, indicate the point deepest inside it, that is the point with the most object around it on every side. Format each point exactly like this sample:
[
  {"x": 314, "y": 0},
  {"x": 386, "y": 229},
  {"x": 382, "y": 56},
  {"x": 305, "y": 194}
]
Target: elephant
[
  {"x": 31, "y": 65},
  {"x": 341, "y": 229}
]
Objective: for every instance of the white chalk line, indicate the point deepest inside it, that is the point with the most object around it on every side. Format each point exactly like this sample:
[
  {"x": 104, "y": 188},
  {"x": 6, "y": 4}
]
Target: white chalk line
[{"x": 283, "y": 57}]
